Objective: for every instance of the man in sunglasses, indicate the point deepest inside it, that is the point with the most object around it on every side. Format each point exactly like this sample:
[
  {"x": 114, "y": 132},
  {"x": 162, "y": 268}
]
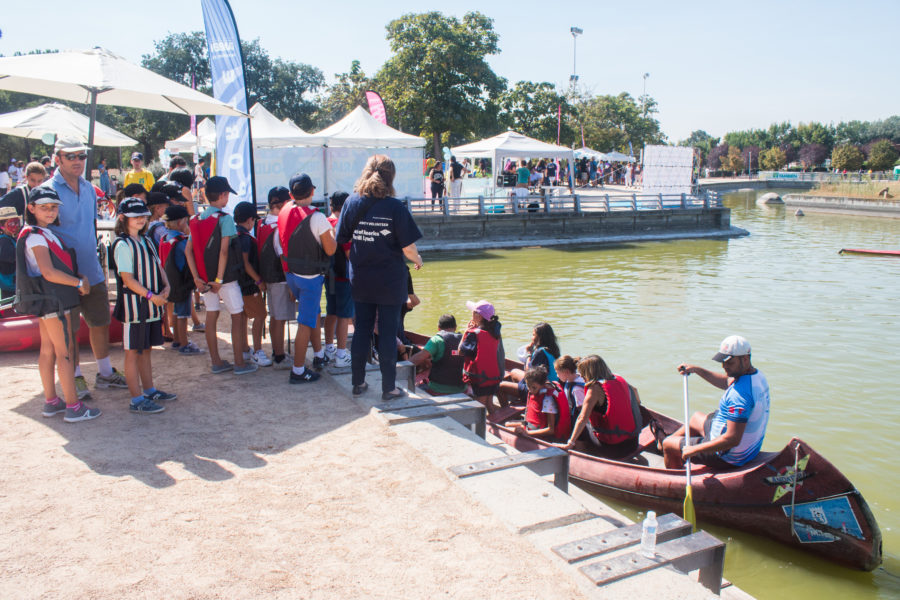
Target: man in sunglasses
[{"x": 77, "y": 230}]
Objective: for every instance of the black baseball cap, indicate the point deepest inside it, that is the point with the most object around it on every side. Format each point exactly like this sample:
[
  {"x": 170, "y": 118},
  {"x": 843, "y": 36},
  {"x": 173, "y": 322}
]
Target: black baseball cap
[
  {"x": 133, "y": 189},
  {"x": 43, "y": 195},
  {"x": 278, "y": 194},
  {"x": 158, "y": 185},
  {"x": 137, "y": 156},
  {"x": 154, "y": 198},
  {"x": 301, "y": 185},
  {"x": 172, "y": 189},
  {"x": 244, "y": 211},
  {"x": 133, "y": 207},
  {"x": 218, "y": 184},
  {"x": 175, "y": 213}
]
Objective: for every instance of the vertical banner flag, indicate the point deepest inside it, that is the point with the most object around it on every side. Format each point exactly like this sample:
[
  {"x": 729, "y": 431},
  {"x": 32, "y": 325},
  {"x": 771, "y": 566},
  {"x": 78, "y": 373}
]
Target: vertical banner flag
[
  {"x": 226, "y": 63},
  {"x": 376, "y": 106},
  {"x": 558, "y": 122},
  {"x": 193, "y": 117}
]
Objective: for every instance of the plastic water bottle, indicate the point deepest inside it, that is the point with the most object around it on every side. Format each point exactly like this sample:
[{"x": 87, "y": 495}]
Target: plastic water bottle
[{"x": 648, "y": 535}]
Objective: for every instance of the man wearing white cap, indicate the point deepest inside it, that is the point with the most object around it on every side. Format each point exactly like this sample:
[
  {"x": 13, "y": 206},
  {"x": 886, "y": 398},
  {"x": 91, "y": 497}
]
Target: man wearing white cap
[{"x": 733, "y": 434}]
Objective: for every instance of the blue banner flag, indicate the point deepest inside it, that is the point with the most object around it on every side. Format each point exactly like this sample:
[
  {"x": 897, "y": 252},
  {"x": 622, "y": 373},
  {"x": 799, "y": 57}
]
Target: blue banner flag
[{"x": 234, "y": 156}]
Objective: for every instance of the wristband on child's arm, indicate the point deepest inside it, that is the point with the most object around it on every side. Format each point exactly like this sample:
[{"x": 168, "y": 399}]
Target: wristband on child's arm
[
  {"x": 218, "y": 280},
  {"x": 149, "y": 294}
]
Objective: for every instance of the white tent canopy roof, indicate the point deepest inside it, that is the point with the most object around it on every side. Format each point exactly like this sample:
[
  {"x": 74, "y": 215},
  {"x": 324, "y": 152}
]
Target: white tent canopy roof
[
  {"x": 73, "y": 75},
  {"x": 511, "y": 144},
  {"x": 59, "y": 119},
  {"x": 585, "y": 152},
  {"x": 269, "y": 132},
  {"x": 206, "y": 131},
  {"x": 618, "y": 157},
  {"x": 359, "y": 129}
]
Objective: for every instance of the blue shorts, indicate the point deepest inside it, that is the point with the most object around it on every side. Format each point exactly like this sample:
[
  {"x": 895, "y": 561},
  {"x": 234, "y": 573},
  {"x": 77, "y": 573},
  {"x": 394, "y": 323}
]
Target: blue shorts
[
  {"x": 183, "y": 309},
  {"x": 339, "y": 303},
  {"x": 308, "y": 293}
]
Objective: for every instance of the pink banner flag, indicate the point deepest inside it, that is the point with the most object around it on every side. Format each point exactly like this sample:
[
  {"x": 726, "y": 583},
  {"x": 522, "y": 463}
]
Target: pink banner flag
[
  {"x": 376, "y": 106},
  {"x": 558, "y": 122},
  {"x": 193, "y": 118}
]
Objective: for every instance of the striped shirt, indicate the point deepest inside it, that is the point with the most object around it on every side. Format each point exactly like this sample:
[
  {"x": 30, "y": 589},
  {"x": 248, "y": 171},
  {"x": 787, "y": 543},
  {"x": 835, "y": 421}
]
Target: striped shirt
[{"x": 138, "y": 257}]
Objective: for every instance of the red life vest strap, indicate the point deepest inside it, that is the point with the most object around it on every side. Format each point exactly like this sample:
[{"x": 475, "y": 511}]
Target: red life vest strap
[
  {"x": 55, "y": 248},
  {"x": 166, "y": 246}
]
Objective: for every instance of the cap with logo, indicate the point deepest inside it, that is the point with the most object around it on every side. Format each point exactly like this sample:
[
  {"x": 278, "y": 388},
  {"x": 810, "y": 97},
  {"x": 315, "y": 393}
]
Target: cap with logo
[
  {"x": 482, "y": 307},
  {"x": 43, "y": 195},
  {"x": 133, "y": 207},
  {"x": 278, "y": 194},
  {"x": 137, "y": 156},
  {"x": 733, "y": 345},
  {"x": 69, "y": 144},
  {"x": 301, "y": 185},
  {"x": 218, "y": 184}
]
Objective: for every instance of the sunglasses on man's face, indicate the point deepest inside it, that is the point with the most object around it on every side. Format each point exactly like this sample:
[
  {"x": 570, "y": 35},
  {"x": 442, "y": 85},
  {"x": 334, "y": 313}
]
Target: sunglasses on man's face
[{"x": 75, "y": 156}]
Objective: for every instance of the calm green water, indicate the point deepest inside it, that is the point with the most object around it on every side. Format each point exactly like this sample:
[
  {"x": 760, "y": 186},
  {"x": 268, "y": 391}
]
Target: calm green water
[{"x": 824, "y": 328}]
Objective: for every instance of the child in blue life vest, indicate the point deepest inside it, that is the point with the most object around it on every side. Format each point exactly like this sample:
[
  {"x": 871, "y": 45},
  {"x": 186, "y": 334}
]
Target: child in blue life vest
[
  {"x": 181, "y": 283},
  {"x": 214, "y": 258},
  {"x": 482, "y": 348},
  {"x": 251, "y": 283},
  {"x": 48, "y": 286},
  {"x": 542, "y": 352},
  {"x": 142, "y": 289},
  {"x": 546, "y": 412},
  {"x": 571, "y": 382}
]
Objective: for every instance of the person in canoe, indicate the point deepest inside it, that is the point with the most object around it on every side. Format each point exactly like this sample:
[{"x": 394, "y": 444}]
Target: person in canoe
[
  {"x": 542, "y": 352},
  {"x": 441, "y": 356},
  {"x": 733, "y": 434},
  {"x": 546, "y": 410},
  {"x": 482, "y": 351},
  {"x": 610, "y": 413}
]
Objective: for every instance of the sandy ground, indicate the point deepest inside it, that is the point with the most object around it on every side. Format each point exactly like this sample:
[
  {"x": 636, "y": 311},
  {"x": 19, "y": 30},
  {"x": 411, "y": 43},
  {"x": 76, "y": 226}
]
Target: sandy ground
[{"x": 245, "y": 487}]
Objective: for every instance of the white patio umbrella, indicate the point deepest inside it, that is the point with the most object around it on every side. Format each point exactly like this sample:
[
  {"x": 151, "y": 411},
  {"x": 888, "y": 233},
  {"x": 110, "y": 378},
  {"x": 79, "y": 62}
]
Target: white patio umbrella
[
  {"x": 98, "y": 76},
  {"x": 60, "y": 120}
]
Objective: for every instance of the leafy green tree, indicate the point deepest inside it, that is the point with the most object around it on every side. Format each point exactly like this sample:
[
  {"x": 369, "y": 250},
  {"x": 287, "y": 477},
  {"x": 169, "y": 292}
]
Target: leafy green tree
[
  {"x": 881, "y": 156},
  {"x": 772, "y": 159},
  {"x": 733, "y": 161},
  {"x": 816, "y": 133},
  {"x": 438, "y": 71},
  {"x": 847, "y": 157},
  {"x": 348, "y": 92},
  {"x": 610, "y": 122},
  {"x": 532, "y": 109}
]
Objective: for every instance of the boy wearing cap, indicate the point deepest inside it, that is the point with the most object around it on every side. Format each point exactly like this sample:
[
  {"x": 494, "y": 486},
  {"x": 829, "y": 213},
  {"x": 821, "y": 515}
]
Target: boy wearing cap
[
  {"x": 281, "y": 304},
  {"x": 215, "y": 261},
  {"x": 338, "y": 295},
  {"x": 252, "y": 285},
  {"x": 9, "y": 231},
  {"x": 76, "y": 229},
  {"x": 733, "y": 434},
  {"x": 307, "y": 240},
  {"x": 181, "y": 282},
  {"x": 139, "y": 174},
  {"x": 157, "y": 202}
]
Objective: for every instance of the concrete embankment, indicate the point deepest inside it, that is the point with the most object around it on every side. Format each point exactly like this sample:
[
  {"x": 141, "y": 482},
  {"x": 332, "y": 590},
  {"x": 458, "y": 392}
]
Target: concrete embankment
[
  {"x": 249, "y": 487},
  {"x": 839, "y": 204},
  {"x": 469, "y": 232}
]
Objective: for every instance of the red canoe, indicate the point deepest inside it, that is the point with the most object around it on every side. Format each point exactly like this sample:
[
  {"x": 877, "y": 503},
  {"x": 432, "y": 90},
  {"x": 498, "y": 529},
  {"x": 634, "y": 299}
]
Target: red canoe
[
  {"x": 831, "y": 518},
  {"x": 21, "y": 332},
  {"x": 872, "y": 252}
]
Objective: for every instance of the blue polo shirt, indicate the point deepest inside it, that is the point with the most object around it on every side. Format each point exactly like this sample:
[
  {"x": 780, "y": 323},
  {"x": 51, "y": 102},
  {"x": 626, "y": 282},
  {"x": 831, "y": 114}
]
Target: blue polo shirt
[
  {"x": 378, "y": 271},
  {"x": 76, "y": 228}
]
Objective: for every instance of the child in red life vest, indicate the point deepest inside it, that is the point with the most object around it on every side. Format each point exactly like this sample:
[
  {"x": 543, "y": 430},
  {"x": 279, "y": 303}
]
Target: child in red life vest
[
  {"x": 142, "y": 289},
  {"x": 611, "y": 413},
  {"x": 48, "y": 286},
  {"x": 546, "y": 410},
  {"x": 482, "y": 348},
  {"x": 215, "y": 260},
  {"x": 252, "y": 284}
]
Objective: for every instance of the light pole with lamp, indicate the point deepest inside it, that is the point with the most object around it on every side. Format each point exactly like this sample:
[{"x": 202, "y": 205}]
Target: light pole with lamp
[
  {"x": 644, "y": 96},
  {"x": 575, "y": 31}
]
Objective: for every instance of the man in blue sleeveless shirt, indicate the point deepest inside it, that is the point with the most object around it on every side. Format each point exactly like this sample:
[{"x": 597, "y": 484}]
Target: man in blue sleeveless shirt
[{"x": 732, "y": 435}]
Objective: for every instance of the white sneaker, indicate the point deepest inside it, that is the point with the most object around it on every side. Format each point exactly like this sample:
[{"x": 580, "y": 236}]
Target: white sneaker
[
  {"x": 342, "y": 362},
  {"x": 330, "y": 352},
  {"x": 261, "y": 359},
  {"x": 248, "y": 356},
  {"x": 285, "y": 364}
]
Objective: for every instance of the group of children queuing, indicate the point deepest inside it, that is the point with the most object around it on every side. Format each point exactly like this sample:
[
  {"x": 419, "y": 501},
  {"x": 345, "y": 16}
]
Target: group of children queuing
[
  {"x": 566, "y": 399},
  {"x": 162, "y": 254}
]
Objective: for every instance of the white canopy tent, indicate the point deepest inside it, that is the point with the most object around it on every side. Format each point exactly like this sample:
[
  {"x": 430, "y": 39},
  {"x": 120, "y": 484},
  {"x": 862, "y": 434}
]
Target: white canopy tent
[
  {"x": 60, "y": 120},
  {"x": 585, "y": 152},
  {"x": 618, "y": 157},
  {"x": 268, "y": 132},
  {"x": 352, "y": 140},
  {"x": 206, "y": 132}
]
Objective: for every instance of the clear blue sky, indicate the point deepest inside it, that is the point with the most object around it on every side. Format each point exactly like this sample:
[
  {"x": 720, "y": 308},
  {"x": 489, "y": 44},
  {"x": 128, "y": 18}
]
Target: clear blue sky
[{"x": 717, "y": 66}]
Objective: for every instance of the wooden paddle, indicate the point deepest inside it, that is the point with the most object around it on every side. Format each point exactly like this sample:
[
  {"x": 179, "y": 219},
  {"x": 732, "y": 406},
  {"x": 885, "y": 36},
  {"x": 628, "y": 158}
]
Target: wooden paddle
[{"x": 688, "y": 511}]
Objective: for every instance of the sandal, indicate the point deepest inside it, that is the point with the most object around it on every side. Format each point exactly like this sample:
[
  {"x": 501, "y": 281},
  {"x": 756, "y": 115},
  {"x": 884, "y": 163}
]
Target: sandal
[{"x": 658, "y": 432}]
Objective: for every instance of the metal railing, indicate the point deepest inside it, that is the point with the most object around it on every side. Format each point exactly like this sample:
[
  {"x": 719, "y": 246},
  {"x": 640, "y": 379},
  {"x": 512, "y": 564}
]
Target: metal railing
[{"x": 562, "y": 204}]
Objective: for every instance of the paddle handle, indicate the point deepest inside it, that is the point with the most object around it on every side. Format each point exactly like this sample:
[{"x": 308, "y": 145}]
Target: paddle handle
[{"x": 687, "y": 427}]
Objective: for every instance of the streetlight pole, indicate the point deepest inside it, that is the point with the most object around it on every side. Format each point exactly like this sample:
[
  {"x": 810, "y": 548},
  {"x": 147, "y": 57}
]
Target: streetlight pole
[
  {"x": 644, "y": 96},
  {"x": 575, "y": 31}
]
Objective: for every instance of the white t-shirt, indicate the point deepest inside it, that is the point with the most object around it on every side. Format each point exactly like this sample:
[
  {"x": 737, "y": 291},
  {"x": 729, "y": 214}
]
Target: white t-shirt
[
  {"x": 30, "y": 243},
  {"x": 318, "y": 224},
  {"x": 276, "y": 241},
  {"x": 549, "y": 404},
  {"x": 4, "y": 181},
  {"x": 578, "y": 391}
]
